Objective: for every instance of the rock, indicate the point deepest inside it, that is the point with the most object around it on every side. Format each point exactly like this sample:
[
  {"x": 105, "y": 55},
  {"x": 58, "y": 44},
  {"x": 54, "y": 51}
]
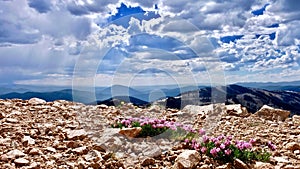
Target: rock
[
  {"x": 2, "y": 115},
  {"x": 27, "y": 140},
  {"x": 11, "y": 120},
  {"x": 4, "y": 157},
  {"x": 15, "y": 154},
  {"x": 4, "y": 141},
  {"x": 281, "y": 160},
  {"x": 36, "y": 101},
  {"x": 72, "y": 144},
  {"x": 225, "y": 166},
  {"x": 80, "y": 150},
  {"x": 34, "y": 151},
  {"x": 21, "y": 162},
  {"x": 34, "y": 165},
  {"x": 110, "y": 139},
  {"x": 269, "y": 113},
  {"x": 204, "y": 166},
  {"x": 156, "y": 108},
  {"x": 131, "y": 132},
  {"x": 240, "y": 164},
  {"x": 152, "y": 151},
  {"x": 187, "y": 160},
  {"x": 203, "y": 110},
  {"x": 295, "y": 119},
  {"x": 103, "y": 106},
  {"x": 93, "y": 155},
  {"x": 292, "y": 146},
  {"x": 147, "y": 162},
  {"x": 77, "y": 134},
  {"x": 236, "y": 110},
  {"x": 262, "y": 165},
  {"x": 57, "y": 156},
  {"x": 289, "y": 167},
  {"x": 50, "y": 149}
]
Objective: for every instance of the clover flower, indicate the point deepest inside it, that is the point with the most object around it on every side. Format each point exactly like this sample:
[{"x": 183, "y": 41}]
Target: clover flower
[
  {"x": 271, "y": 146},
  {"x": 201, "y": 131},
  {"x": 228, "y": 152}
]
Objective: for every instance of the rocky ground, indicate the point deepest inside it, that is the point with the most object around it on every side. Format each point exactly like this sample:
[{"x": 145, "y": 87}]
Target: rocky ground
[{"x": 61, "y": 134}]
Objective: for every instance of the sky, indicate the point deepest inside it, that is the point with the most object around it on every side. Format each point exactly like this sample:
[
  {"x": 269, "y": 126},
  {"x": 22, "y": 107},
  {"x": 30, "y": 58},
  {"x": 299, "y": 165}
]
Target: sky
[{"x": 149, "y": 42}]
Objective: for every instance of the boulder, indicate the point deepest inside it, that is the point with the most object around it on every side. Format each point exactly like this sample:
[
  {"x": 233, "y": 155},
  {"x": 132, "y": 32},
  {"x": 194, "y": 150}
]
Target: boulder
[
  {"x": 270, "y": 113},
  {"x": 36, "y": 101},
  {"x": 110, "y": 139},
  {"x": 152, "y": 151},
  {"x": 236, "y": 110},
  {"x": 187, "y": 160}
]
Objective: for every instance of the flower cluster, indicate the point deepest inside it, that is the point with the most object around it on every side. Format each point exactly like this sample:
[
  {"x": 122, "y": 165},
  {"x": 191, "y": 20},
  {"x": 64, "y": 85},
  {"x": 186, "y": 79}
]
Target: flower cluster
[
  {"x": 223, "y": 148},
  {"x": 154, "y": 126}
]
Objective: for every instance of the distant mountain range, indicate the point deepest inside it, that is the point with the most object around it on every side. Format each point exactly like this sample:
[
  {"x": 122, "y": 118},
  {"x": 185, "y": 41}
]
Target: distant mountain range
[
  {"x": 251, "y": 98},
  {"x": 286, "y": 86},
  {"x": 250, "y": 95}
]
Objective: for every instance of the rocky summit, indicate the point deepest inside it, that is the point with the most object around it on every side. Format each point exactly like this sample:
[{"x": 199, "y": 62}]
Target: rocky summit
[{"x": 60, "y": 134}]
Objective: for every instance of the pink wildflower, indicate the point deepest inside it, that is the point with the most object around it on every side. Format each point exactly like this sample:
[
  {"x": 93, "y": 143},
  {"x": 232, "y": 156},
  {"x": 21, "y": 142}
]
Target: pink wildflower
[
  {"x": 228, "y": 152},
  {"x": 201, "y": 131},
  {"x": 203, "y": 150}
]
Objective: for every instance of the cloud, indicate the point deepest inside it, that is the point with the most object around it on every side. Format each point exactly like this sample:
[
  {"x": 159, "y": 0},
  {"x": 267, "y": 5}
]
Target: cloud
[
  {"x": 87, "y": 39},
  {"x": 22, "y": 25},
  {"x": 84, "y": 7},
  {"x": 42, "y": 6}
]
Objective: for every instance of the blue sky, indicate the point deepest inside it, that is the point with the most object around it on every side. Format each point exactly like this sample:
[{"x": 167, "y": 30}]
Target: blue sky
[{"x": 131, "y": 42}]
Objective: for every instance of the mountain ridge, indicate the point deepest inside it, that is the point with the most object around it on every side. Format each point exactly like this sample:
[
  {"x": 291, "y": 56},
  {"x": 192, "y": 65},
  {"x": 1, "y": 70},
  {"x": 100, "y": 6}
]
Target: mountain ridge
[{"x": 251, "y": 98}]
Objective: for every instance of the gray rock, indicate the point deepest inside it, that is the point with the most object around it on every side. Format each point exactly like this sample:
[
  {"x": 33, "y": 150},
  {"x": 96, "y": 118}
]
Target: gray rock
[
  {"x": 110, "y": 139},
  {"x": 152, "y": 151}
]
